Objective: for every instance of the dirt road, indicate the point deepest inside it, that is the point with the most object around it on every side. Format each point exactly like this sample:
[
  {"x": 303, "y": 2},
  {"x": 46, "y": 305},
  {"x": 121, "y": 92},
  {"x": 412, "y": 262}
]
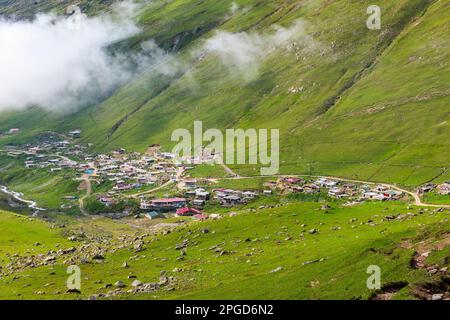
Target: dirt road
[
  {"x": 88, "y": 185},
  {"x": 229, "y": 171}
]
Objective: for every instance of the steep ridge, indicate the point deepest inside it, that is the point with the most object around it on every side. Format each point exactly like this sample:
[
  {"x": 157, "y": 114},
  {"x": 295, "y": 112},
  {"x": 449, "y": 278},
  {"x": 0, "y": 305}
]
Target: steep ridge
[
  {"x": 398, "y": 110},
  {"x": 351, "y": 102}
]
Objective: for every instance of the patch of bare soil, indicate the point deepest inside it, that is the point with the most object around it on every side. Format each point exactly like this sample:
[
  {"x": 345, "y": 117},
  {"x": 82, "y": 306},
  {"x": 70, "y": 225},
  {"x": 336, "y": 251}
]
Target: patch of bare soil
[
  {"x": 82, "y": 186},
  {"x": 424, "y": 248},
  {"x": 388, "y": 290},
  {"x": 438, "y": 290}
]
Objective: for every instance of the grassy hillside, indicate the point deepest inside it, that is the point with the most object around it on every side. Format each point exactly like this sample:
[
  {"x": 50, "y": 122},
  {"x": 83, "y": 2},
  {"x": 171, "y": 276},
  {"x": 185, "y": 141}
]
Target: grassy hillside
[
  {"x": 260, "y": 254},
  {"x": 349, "y": 101},
  {"x": 380, "y": 128},
  {"x": 370, "y": 104},
  {"x": 20, "y": 235}
]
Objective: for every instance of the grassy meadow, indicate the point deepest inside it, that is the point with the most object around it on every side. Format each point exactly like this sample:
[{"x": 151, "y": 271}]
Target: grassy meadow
[{"x": 265, "y": 254}]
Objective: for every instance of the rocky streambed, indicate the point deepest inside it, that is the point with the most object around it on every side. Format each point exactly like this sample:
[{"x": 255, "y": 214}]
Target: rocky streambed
[{"x": 16, "y": 199}]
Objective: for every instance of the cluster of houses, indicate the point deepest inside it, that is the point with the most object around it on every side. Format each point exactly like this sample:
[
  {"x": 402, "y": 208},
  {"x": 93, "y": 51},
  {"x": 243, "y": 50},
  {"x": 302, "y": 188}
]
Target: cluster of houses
[
  {"x": 197, "y": 196},
  {"x": 130, "y": 171},
  {"x": 54, "y": 163},
  {"x": 293, "y": 185},
  {"x": 51, "y": 153},
  {"x": 230, "y": 198},
  {"x": 10, "y": 132},
  {"x": 381, "y": 193},
  {"x": 442, "y": 189},
  {"x": 194, "y": 200},
  {"x": 163, "y": 205},
  {"x": 107, "y": 200},
  {"x": 335, "y": 189},
  {"x": 156, "y": 208},
  {"x": 122, "y": 170}
]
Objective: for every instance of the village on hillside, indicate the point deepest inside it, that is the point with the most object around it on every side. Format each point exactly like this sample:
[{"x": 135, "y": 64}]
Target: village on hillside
[
  {"x": 441, "y": 189},
  {"x": 126, "y": 175}
]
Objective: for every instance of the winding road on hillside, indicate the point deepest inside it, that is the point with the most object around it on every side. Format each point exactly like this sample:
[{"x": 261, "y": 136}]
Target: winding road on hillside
[{"x": 88, "y": 185}]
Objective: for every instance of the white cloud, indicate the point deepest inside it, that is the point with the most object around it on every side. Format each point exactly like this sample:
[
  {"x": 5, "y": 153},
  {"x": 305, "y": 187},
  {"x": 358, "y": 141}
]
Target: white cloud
[
  {"x": 47, "y": 62},
  {"x": 234, "y": 8},
  {"x": 244, "y": 52}
]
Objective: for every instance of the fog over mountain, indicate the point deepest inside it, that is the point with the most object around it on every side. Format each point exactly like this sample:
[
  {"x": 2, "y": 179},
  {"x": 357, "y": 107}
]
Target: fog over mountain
[
  {"x": 244, "y": 52},
  {"x": 62, "y": 62}
]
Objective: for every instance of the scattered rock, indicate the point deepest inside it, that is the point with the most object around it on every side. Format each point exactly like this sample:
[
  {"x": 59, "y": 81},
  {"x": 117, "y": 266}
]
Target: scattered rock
[
  {"x": 136, "y": 283},
  {"x": 313, "y": 261},
  {"x": 74, "y": 290},
  {"x": 437, "y": 296},
  {"x": 433, "y": 271},
  {"x": 138, "y": 247},
  {"x": 68, "y": 250},
  {"x": 314, "y": 284},
  {"x": 180, "y": 246},
  {"x": 119, "y": 284},
  {"x": 276, "y": 270},
  {"x": 163, "y": 280},
  {"x": 98, "y": 256},
  {"x": 49, "y": 258}
]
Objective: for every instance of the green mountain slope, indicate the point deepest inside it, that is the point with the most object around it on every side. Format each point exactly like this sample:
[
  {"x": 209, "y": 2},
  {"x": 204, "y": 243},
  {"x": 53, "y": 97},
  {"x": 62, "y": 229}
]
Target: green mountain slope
[
  {"x": 259, "y": 254},
  {"x": 370, "y": 104}
]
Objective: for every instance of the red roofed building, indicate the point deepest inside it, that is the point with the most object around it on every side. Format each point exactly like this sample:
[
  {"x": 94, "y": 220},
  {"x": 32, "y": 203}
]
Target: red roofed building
[{"x": 183, "y": 212}]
